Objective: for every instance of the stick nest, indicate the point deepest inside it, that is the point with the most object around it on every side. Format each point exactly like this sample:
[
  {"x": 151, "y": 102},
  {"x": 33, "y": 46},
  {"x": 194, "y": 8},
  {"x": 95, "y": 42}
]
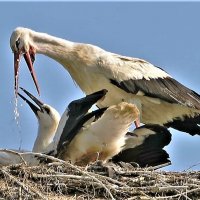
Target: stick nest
[{"x": 62, "y": 180}]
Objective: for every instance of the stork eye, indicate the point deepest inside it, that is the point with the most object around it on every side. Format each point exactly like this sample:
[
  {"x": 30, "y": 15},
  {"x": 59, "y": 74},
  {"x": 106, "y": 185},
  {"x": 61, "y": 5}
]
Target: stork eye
[
  {"x": 17, "y": 43},
  {"x": 47, "y": 110}
]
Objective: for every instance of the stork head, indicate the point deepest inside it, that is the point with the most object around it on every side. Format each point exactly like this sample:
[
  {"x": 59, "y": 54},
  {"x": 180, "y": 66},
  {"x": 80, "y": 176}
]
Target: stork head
[
  {"x": 21, "y": 44},
  {"x": 48, "y": 117}
]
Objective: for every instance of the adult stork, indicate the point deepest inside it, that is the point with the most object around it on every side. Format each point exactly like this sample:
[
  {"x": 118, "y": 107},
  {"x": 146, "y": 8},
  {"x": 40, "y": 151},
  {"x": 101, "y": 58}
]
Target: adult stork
[{"x": 160, "y": 98}]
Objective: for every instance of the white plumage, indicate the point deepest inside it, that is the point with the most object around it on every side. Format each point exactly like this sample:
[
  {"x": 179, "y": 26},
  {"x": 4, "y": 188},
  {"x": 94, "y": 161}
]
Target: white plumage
[{"x": 103, "y": 138}]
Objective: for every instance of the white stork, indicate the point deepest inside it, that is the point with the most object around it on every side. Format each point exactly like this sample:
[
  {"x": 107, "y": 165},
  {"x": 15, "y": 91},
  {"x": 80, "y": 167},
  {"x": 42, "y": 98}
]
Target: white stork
[{"x": 160, "y": 98}]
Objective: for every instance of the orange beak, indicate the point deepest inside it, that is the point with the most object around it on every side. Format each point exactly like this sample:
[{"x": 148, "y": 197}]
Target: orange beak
[{"x": 29, "y": 58}]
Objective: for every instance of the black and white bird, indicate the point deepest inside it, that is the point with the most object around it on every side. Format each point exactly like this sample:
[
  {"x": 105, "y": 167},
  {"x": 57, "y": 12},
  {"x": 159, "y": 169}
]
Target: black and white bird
[{"x": 159, "y": 97}]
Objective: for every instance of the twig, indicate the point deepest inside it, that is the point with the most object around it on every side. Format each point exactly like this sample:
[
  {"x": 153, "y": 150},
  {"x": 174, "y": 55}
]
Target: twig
[
  {"x": 189, "y": 191},
  {"x": 20, "y": 193},
  {"x": 109, "y": 179},
  {"x": 192, "y": 166},
  {"x": 182, "y": 194},
  {"x": 176, "y": 190},
  {"x": 15, "y": 153},
  {"x": 67, "y": 176}
]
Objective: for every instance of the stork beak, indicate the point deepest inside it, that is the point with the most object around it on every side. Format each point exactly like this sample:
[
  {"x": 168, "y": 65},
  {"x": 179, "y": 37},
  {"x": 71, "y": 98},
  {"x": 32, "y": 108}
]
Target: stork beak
[
  {"x": 29, "y": 58},
  {"x": 81, "y": 106},
  {"x": 16, "y": 70},
  {"x": 33, "y": 107},
  {"x": 93, "y": 98}
]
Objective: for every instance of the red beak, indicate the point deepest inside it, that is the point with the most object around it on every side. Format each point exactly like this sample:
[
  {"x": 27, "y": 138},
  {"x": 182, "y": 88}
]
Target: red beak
[
  {"x": 29, "y": 62},
  {"x": 16, "y": 69}
]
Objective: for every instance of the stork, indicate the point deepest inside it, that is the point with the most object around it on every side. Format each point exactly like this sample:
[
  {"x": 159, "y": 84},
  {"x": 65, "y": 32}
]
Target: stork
[
  {"x": 48, "y": 122},
  {"x": 160, "y": 98},
  {"x": 84, "y": 137}
]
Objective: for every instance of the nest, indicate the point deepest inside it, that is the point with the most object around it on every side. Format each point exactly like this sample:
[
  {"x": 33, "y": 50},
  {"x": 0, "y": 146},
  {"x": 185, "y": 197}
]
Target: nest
[{"x": 62, "y": 180}]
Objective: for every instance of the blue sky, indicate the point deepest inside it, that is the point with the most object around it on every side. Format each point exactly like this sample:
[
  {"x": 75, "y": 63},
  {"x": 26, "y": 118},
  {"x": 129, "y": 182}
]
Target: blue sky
[{"x": 165, "y": 34}]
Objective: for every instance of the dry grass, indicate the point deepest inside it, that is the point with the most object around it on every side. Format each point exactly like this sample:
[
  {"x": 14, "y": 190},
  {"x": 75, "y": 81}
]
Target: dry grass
[{"x": 62, "y": 180}]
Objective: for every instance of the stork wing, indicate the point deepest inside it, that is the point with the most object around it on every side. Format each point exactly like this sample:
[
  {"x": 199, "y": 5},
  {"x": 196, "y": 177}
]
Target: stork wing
[
  {"x": 145, "y": 146},
  {"x": 73, "y": 126},
  {"x": 140, "y": 77}
]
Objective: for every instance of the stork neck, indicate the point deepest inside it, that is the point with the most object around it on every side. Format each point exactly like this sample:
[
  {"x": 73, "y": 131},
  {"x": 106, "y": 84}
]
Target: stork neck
[
  {"x": 78, "y": 58},
  {"x": 54, "y": 47},
  {"x": 44, "y": 138}
]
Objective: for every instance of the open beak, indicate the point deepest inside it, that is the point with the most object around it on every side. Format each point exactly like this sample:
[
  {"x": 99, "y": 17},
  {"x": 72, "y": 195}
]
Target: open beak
[
  {"x": 29, "y": 58},
  {"x": 33, "y": 107}
]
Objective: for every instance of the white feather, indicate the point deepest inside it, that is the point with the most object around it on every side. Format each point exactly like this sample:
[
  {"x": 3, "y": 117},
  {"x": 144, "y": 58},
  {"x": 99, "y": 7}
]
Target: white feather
[{"x": 103, "y": 138}]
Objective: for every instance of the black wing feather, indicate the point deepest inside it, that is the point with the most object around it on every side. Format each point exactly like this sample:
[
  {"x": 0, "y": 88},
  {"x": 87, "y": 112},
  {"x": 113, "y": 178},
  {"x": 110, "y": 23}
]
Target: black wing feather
[
  {"x": 73, "y": 127},
  {"x": 189, "y": 125},
  {"x": 167, "y": 89},
  {"x": 151, "y": 152}
]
